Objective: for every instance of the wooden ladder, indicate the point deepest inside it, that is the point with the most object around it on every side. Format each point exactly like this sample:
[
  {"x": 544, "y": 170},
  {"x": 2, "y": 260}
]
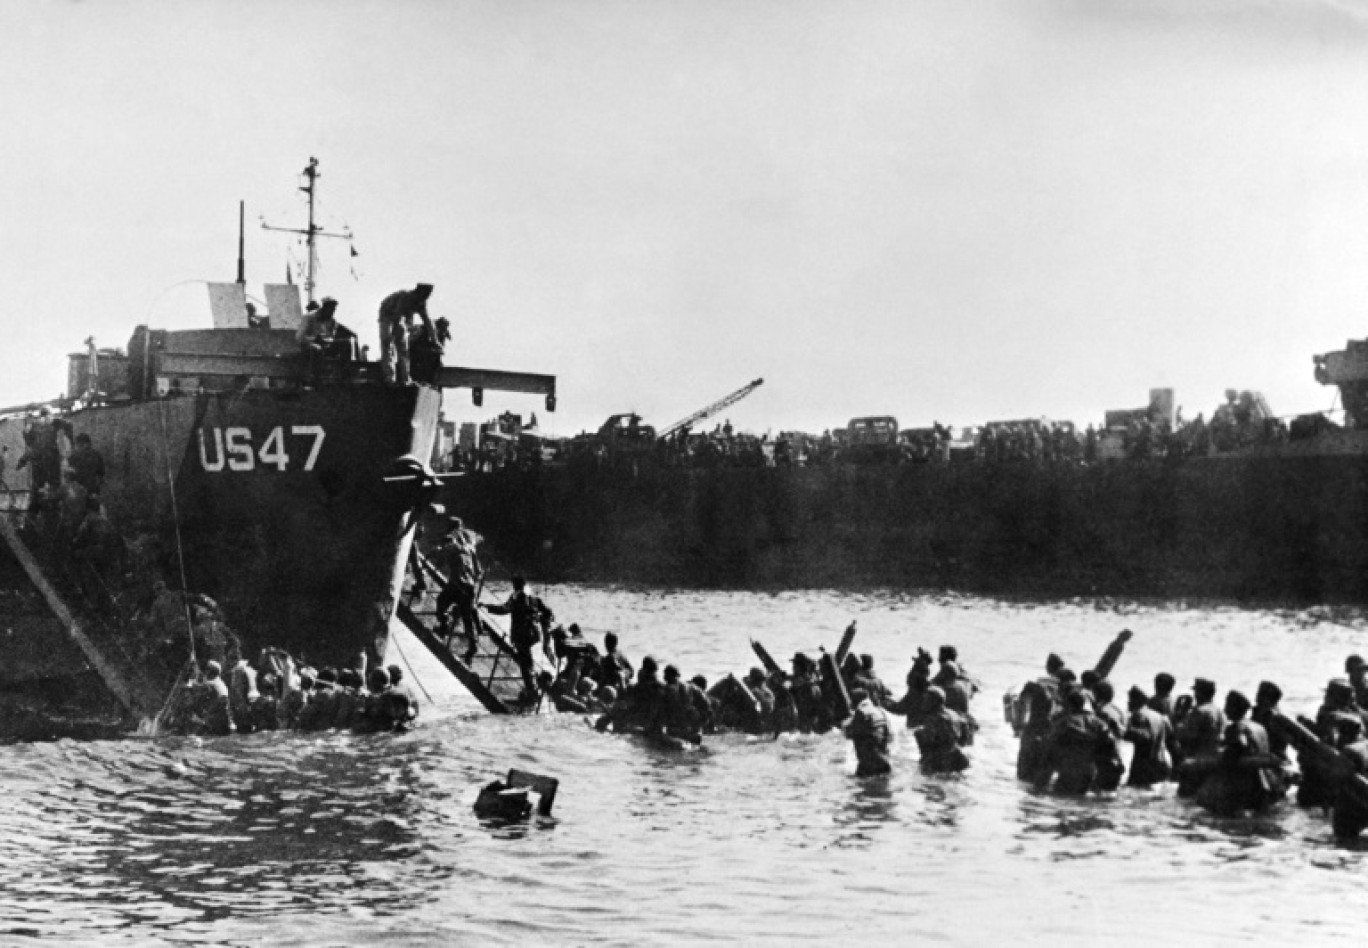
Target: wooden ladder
[{"x": 493, "y": 675}]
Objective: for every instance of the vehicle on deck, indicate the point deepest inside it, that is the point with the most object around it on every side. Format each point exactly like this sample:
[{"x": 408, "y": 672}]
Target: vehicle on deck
[{"x": 872, "y": 440}]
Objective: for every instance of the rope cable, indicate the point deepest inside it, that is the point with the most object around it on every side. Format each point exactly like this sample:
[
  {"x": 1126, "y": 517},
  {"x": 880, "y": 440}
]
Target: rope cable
[{"x": 175, "y": 520}]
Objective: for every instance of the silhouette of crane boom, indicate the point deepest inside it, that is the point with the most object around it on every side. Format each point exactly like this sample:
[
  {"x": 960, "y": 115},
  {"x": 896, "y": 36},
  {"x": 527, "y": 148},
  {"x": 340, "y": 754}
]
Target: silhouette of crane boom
[{"x": 704, "y": 413}]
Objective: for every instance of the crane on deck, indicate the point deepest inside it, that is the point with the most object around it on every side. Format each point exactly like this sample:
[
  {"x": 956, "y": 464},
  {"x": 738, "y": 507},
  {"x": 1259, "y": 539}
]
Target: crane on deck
[{"x": 707, "y": 412}]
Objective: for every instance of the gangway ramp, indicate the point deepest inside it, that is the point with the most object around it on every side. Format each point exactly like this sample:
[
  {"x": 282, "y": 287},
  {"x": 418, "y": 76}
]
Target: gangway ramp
[{"x": 492, "y": 675}]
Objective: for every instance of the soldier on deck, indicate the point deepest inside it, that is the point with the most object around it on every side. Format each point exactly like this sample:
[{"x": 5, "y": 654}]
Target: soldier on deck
[
  {"x": 323, "y": 338},
  {"x": 396, "y": 317},
  {"x": 319, "y": 324},
  {"x": 427, "y": 345}
]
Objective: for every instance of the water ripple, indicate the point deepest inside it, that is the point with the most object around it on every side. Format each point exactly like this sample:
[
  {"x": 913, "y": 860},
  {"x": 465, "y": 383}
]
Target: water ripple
[{"x": 338, "y": 839}]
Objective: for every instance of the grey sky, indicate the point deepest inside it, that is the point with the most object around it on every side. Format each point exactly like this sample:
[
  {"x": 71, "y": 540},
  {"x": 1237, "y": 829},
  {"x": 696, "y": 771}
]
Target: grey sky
[{"x": 950, "y": 210}]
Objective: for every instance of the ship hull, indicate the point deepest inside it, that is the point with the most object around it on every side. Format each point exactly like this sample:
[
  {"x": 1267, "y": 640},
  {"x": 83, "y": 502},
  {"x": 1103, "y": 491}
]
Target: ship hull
[
  {"x": 1287, "y": 525},
  {"x": 273, "y": 504}
]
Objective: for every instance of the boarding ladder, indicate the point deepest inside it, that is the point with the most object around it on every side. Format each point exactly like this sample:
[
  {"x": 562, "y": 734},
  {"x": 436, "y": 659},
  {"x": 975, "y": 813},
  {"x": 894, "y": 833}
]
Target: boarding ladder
[
  {"x": 134, "y": 690},
  {"x": 492, "y": 676}
]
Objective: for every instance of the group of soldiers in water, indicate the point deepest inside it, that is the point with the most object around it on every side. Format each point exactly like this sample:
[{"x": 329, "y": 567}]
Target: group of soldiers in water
[
  {"x": 1230, "y": 759},
  {"x": 280, "y": 694},
  {"x": 811, "y": 697}
]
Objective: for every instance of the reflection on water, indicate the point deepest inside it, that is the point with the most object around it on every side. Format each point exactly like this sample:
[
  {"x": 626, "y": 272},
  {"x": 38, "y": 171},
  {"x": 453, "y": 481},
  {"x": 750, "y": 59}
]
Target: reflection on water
[
  {"x": 206, "y": 830},
  {"x": 870, "y": 805},
  {"x": 338, "y": 839}
]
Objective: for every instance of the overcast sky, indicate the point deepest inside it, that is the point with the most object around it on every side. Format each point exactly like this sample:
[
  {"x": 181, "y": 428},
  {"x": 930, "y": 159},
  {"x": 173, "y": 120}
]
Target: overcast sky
[{"x": 960, "y": 211}]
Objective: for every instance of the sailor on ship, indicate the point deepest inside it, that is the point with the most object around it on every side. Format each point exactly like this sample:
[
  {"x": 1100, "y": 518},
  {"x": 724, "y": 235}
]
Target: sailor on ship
[
  {"x": 396, "y": 317},
  {"x": 323, "y": 338}
]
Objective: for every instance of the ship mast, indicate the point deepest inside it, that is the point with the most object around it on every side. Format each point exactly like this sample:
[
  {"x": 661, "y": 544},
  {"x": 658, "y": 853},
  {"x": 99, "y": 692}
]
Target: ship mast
[
  {"x": 242, "y": 234},
  {"x": 312, "y": 232}
]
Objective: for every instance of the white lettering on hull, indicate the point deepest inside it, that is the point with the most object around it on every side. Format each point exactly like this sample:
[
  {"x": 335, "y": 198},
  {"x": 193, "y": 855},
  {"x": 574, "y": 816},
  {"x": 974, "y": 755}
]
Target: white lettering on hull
[{"x": 236, "y": 449}]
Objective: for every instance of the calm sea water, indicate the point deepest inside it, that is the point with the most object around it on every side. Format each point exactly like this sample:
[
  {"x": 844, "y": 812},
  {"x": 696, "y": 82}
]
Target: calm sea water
[{"x": 286, "y": 839}]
